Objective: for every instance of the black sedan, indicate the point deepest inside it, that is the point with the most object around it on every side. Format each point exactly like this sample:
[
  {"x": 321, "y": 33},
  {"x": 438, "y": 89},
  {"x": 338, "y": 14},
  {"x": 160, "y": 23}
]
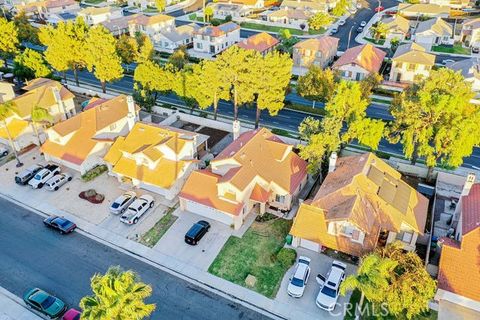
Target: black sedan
[
  {"x": 61, "y": 224},
  {"x": 196, "y": 232}
]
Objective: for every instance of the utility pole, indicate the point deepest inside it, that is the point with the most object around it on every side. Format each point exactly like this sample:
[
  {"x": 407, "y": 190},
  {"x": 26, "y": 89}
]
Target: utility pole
[{"x": 350, "y": 35}]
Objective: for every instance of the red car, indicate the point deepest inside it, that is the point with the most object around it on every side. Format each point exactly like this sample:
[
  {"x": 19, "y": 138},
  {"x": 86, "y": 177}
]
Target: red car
[
  {"x": 72, "y": 314},
  {"x": 379, "y": 9}
]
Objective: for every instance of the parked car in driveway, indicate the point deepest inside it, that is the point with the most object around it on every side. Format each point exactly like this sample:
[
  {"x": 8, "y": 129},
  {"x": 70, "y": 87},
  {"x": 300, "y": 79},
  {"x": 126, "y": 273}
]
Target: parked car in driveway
[
  {"x": 72, "y": 314},
  {"x": 137, "y": 209},
  {"x": 330, "y": 286},
  {"x": 60, "y": 223},
  {"x": 341, "y": 22},
  {"x": 26, "y": 175},
  {"x": 363, "y": 23},
  {"x": 3, "y": 151},
  {"x": 44, "y": 303},
  {"x": 196, "y": 232},
  {"x": 298, "y": 282},
  {"x": 359, "y": 29},
  {"x": 121, "y": 204},
  {"x": 58, "y": 180},
  {"x": 43, "y": 176}
]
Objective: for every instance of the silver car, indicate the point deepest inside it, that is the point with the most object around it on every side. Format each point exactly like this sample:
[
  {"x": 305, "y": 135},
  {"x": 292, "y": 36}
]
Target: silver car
[
  {"x": 122, "y": 202},
  {"x": 137, "y": 209},
  {"x": 54, "y": 183}
]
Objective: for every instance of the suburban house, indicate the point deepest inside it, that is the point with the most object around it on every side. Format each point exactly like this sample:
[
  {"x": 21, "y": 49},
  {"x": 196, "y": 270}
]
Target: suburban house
[
  {"x": 398, "y": 28},
  {"x": 155, "y": 158},
  {"x": 44, "y": 9},
  {"x": 362, "y": 203},
  {"x": 215, "y": 39},
  {"x": 81, "y": 142},
  {"x": 318, "y": 51},
  {"x": 293, "y": 18},
  {"x": 151, "y": 25},
  {"x": 454, "y": 4},
  {"x": 143, "y": 4},
  {"x": 433, "y": 32},
  {"x": 411, "y": 63},
  {"x": 120, "y": 25},
  {"x": 358, "y": 62},
  {"x": 40, "y": 93},
  {"x": 470, "y": 70},
  {"x": 97, "y": 15},
  {"x": 470, "y": 33},
  {"x": 459, "y": 270},
  {"x": 172, "y": 38},
  {"x": 261, "y": 42},
  {"x": 6, "y": 91},
  {"x": 223, "y": 10},
  {"x": 307, "y": 6},
  {"x": 257, "y": 172},
  {"x": 257, "y": 4},
  {"x": 423, "y": 10}
]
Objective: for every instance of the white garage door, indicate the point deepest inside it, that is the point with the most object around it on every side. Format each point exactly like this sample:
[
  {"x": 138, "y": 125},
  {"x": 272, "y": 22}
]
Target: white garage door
[
  {"x": 208, "y": 212},
  {"x": 310, "y": 245}
]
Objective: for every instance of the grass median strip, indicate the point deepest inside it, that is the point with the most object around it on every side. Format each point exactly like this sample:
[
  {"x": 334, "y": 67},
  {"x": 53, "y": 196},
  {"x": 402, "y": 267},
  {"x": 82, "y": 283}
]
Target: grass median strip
[
  {"x": 152, "y": 236},
  {"x": 254, "y": 254}
]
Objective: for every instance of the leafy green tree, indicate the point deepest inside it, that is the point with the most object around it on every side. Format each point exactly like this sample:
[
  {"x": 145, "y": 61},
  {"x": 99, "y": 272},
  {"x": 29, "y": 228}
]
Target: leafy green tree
[
  {"x": 117, "y": 295},
  {"x": 236, "y": 64},
  {"x": 379, "y": 30},
  {"x": 146, "y": 49},
  {"x": 102, "y": 56},
  {"x": 340, "y": 8},
  {"x": 39, "y": 116},
  {"x": 436, "y": 120},
  {"x": 160, "y": 4},
  {"x": 8, "y": 39},
  {"x": 127, "y": 48},
  {"x": 309, "y": 127},
  {"x": 287, "y": 41},
  {"x": 316, "y": 84},
  {"x": 30, "y": 64},
  {"x": 179, "y": 58},
  {"x": 272, "y": 74},
  {"x": 26, "y": 32},
  {"x": 207, "y": 85},
  {"x": 6, "y": 110},
  {"x": 57, "y": 53},
  {"x": 208, "y": 13},
  {"x": 150, "y": 79},
  {"x": 369, "y": 83},
  {"x": 319, "y": 21}
]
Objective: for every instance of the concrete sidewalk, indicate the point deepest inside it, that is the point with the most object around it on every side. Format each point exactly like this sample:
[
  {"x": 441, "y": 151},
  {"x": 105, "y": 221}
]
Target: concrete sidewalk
[{"x": 13, "y": 308}]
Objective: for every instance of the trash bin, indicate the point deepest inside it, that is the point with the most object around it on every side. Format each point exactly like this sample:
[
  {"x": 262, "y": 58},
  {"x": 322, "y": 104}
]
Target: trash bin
[{"x": 288, "y": 239}]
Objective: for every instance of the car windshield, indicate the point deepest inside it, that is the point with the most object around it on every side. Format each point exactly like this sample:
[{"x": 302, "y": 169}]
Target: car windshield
[
  {"x": 297, "y": 282},
  {"x": 48, "y": 302},
  {"x": 329, "y": 292},
  {"x": 38, "y": 177},
  {"x": 65, "y": 223},
  {"x": 115, "y": 205}
]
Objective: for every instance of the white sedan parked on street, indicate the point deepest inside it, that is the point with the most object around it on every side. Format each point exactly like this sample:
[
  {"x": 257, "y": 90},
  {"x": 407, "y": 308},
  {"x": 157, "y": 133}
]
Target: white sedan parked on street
[
  {"x": 298, "y": 282},
  {"x": 330, "y": 286},
  {"x": 137, "y": 209}
]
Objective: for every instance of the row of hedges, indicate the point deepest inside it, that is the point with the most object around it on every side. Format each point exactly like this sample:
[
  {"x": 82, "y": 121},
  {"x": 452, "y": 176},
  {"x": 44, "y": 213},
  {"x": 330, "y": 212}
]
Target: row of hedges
[{"x": 94, "y": 172}]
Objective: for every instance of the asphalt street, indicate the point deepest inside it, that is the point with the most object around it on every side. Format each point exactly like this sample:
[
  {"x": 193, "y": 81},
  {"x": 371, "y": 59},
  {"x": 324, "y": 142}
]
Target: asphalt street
[{"x": 33, "y": 256}]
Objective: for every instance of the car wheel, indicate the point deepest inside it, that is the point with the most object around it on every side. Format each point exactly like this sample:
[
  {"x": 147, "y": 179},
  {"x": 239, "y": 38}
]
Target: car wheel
[
  {"x": 69, "y": 179},
  {"x": 40, "y": 185},
  {"x": 5, "y": 153},
  {"x": 123, "y": 210},
  {"x": 61, "y": 232},
  {"x": 152, "y": 204},
  {"x": 56, "y": 188},
  {"x": 135, "y": 221}
]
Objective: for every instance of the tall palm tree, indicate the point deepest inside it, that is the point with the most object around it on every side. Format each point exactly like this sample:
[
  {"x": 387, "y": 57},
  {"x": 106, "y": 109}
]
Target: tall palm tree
[
  {"x": 38, "y": 115},
  {"x": 118, "y": 295},
  {"x": 379, "y": 30},
  {"x": 372, "y": 278},
  {"x": 6, "y": 111}
]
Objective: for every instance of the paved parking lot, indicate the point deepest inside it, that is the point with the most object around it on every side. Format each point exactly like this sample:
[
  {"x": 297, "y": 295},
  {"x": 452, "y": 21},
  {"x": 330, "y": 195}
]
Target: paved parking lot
[
  {"x": 67, "y": 199},
  {"x": 320, "y": 263},
  {"x": 200, "y": 256}
]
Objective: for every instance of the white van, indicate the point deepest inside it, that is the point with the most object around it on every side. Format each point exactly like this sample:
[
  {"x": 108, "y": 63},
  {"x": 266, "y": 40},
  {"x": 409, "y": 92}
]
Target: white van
[{"x": 54, "y": 183}]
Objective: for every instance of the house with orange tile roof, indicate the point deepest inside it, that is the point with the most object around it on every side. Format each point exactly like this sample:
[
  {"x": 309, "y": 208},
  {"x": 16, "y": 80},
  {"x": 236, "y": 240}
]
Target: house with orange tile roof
[
  {"x": 82, "y": 141},
  {"x": 459, "y": 268},
  {"x": 39, "y": 93},
  {"x": 143, "y": 4},
  {"x": 358, "y": 62},
  {"x": 261, "y": 42},
  {"x": 318, "y": 51},
  {"x": 155, "y": 158},
  {"x": 362, "y": 203},
  {"x": 45, "y": 8},
  {"x": 214, "y": 39},
  {"x": 290, "y": 17},
  {"x": 257, "y": 4},
  {"x": 97, "y": 15},
  {"x": 150, "y": 25},
  {"x": 257, "y": 172},
  {"x": 222, "y": 10},
  {"x": 411, "y": 63}
]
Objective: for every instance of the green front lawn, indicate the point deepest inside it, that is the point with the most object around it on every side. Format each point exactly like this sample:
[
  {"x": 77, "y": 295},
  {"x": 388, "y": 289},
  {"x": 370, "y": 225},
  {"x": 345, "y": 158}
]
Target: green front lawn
[
  {"x": 456, "y": 48},
  {"x": 262, "y": 27},
  {"x": 152, "y": 236},
  {"x": 379, "y": 42},
  {"x": 255, "y": 254},
  {"x": 94, "y": 1}
]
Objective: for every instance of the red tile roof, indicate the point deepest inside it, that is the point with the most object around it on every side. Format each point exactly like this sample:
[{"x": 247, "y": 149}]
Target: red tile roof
[
  {"x": 366, "y": 56},
  {"x": 260, "y": 42},
  {"x": 471, "y": 210}
]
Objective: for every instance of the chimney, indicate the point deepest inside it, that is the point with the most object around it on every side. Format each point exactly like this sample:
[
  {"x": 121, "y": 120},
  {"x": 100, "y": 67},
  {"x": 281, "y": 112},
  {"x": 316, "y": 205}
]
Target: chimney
[
  {"x": 468, "y": 184},
  {"x": 332, "y": 162},
  {"x": 236, "y": 129},
  {"x": 61, "y": 106},
  {"x": 132, "y": 114}
]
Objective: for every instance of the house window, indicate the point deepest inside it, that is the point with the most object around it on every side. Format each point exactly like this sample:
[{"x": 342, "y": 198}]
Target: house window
[
  {"x": 347, "y": 230},
  {"x": 199, "y": 45},
  {"x": 359, "y": 76},
  {"x": 279, "y": 198},
  {"x": 307, "y": 53},
  {"x": 407, "y": 237},
  {"x": 411, "y": 67}
]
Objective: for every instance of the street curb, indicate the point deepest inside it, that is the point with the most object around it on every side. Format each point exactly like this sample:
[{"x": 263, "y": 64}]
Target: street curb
[
  {"x": 157, "y": 265},
  {"x": 17, "y": 300}
]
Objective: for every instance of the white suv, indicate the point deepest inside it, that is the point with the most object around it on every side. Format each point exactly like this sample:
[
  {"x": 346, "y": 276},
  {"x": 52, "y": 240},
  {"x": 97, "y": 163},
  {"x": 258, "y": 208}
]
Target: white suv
[
  {"x": 137, "y": 209},
  {"x": 43, "y": 176},
  {"x": 330, "y": 285},
  {"x": 298, "y": 282}
]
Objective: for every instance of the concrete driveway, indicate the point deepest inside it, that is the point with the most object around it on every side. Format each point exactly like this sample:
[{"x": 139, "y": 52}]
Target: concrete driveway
[
  {"x": 320, "y": 263},
  {"x": 200, "y": 256}
]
